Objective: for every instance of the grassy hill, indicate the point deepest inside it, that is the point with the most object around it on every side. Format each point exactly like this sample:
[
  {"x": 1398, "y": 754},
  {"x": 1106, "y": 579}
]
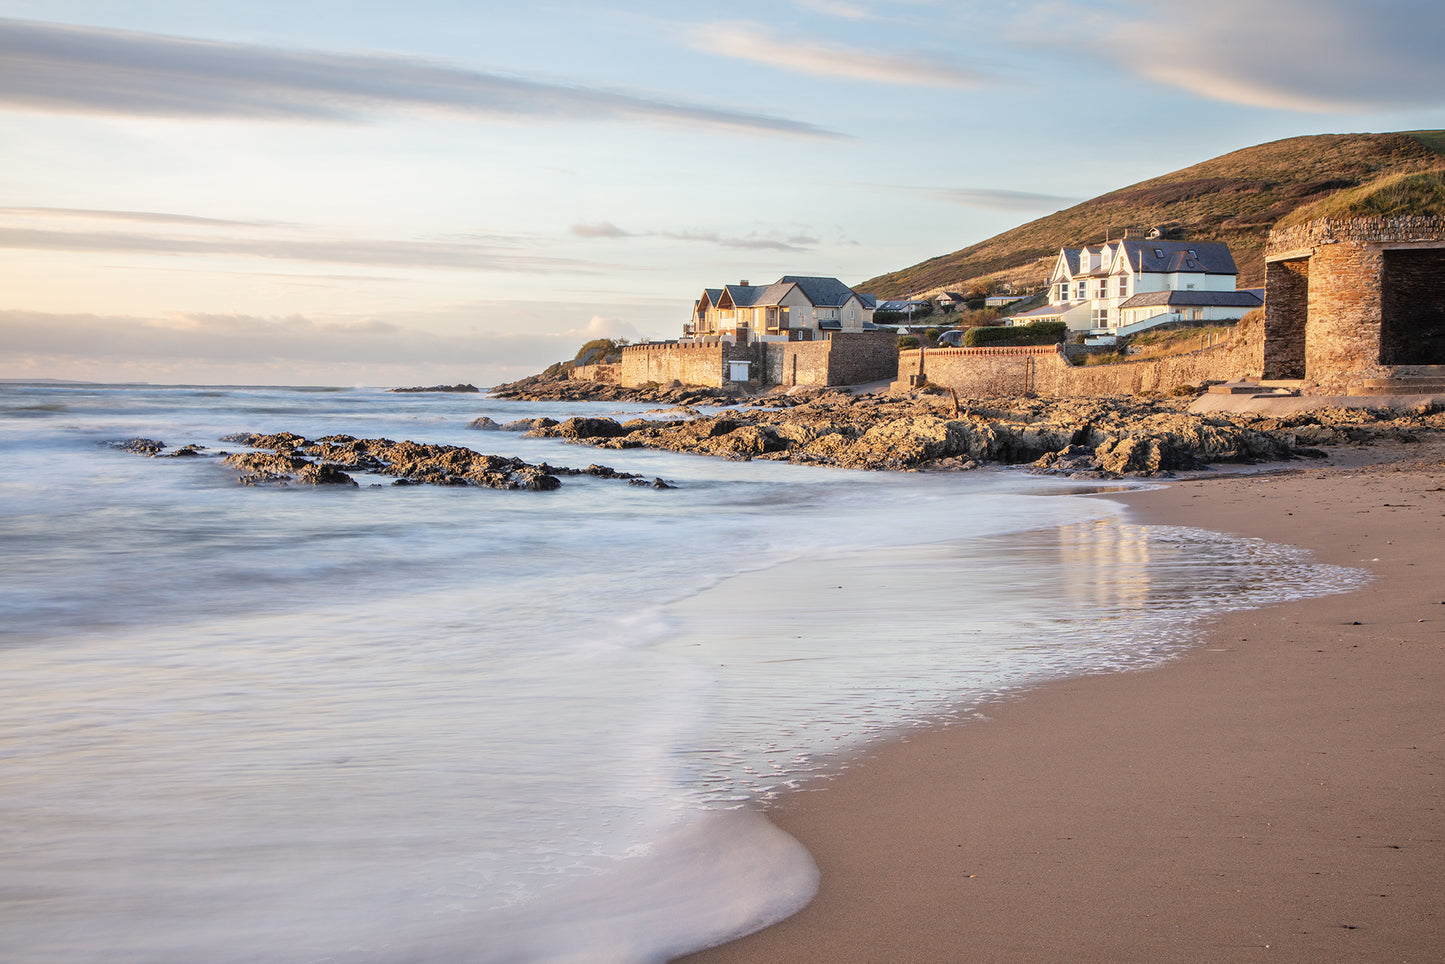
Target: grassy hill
[{"x": 1235, "y": 198}]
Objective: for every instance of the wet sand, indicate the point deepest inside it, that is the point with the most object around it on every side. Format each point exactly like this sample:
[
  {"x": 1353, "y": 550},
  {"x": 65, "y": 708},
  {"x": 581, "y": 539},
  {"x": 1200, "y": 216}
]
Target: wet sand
[{"x": 1275, "y": 794}]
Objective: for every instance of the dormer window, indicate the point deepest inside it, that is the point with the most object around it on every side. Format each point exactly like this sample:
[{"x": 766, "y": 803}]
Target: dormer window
[{"x": 1158, "y": 252}]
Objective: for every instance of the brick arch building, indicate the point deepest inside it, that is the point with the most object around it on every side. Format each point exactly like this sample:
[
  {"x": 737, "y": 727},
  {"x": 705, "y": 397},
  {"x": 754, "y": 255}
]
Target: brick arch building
[{"x": 1357, "y": 305}]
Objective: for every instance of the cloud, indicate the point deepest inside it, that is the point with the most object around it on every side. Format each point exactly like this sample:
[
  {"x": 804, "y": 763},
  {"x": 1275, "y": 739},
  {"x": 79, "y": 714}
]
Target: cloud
[
  {"x": 838, "y": 8},
  {"x": 1301, "y": 55},
  {"x": 599, "y": 327},
  {"x": 797, "y": 242},
  {"x": 602, "y": 229},
  {"x": 147, "y": 217},
  {"x": 72, "y": 69},
  {"x": 757, "y": 43},
  {"x": 753, "y": 242},
  {"x": 995, "y": 199},
  {"x": 370, "y": 252}
]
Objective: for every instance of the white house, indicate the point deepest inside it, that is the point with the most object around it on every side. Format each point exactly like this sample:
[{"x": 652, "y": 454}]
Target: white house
[
  {"x": 1131, "y": 281},
  {"x": 794, "y": 308}
]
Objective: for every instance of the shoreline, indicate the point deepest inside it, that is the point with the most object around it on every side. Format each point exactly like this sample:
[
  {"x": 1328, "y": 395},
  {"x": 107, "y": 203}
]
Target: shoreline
[{"x": 1275, "y": 792}]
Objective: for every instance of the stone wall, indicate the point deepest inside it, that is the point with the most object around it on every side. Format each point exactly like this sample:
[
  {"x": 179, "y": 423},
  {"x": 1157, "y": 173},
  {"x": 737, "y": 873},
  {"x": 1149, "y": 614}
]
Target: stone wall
[
  {"x": 1342, "y": 332},
  {"x": 846, "y": 358},
  {"x": 855, "y": 358},
  {"x": 792, "y": 363},
  {"x": 611, "y": 374},
  {"x": 1043, "y": 370},
  {"x": 1399, "y": 230},
  {"x": 689, "y": 364}
]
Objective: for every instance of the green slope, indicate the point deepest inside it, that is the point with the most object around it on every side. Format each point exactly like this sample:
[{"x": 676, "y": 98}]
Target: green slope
[{"x": 1235, "y": 198}]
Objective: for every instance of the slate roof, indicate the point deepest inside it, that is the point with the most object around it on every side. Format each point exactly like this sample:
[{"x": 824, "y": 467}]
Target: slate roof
[
  {"x": 1207, "y": 257},
  {"x": 822, "y": 292},
  {"x": 1195, "y": 299}
]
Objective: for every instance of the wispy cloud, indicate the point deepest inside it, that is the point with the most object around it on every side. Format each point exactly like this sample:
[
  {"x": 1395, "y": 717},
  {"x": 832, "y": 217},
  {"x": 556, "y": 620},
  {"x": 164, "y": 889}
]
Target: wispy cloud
[
  {"x": 752, "y": 242},
  {"x": 759, "y": 44},
  {"x": 60, "y": 68},
  {"x": 1302, "y": 55},
  {"x": 369, "y": 252},
  {"x": 146, "y": 217},
  {"x": 838, "y": 8},
  {"x": 995, "y": 199},
  {"x": 601, "y": 229}
]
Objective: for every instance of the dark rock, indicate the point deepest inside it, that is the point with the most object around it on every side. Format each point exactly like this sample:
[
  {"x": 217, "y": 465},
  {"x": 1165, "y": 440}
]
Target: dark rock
[
  {"x": 324, "y": 473},
  {"x": 439, "y": 388},
  {"x": 141, "y": 446}
]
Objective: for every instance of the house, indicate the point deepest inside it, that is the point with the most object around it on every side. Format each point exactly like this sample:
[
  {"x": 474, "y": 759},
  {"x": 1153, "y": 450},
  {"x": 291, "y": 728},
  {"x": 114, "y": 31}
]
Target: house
[
  {"x": 1136, "y": 282},
  {"x": 904, "y": 308},
  {"x": 950, "y": 300},
  {"x": 793, "y": 308}
]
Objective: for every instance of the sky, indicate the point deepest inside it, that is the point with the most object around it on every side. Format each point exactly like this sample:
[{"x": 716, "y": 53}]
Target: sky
[{"x": 357, "y": 192}]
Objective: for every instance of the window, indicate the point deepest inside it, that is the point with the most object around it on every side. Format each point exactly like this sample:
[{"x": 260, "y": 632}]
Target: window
[
  {"x": 1158, "y": 252},
  {"x": 1123, "y": 285},
  {"x": 1080, "y": 289},
  {"x": 1100, "y": 317}
]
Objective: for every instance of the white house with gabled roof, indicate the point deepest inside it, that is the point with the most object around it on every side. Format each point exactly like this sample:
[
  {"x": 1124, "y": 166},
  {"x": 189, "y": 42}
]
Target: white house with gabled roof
[{"x": 1125, "y": 283}]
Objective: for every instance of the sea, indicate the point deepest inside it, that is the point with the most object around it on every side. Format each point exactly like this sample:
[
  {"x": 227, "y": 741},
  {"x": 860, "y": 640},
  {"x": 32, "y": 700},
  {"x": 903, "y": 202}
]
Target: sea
[{"x": 413, "y": 723}]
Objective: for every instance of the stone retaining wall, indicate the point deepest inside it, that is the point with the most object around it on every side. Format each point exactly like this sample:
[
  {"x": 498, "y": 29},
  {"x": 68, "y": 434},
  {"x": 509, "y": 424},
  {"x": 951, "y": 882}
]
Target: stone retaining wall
[
  {"x": 1043, "y": 370},
  {"x": 689, "y": 364},
  {"x": 846, "y": 358},
  {"x": 610, "y": 374}
]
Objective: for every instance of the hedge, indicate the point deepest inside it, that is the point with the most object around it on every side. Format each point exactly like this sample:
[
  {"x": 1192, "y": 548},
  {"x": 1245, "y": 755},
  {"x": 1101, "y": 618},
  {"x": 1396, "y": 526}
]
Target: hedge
[{"x": 1034, "y": 333}]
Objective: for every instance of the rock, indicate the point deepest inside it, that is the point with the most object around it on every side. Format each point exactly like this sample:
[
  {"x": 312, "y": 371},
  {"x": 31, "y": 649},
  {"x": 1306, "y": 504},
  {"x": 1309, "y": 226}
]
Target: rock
[
  {"x": 484, "y": 423},
  {"x": 141, "y": 446},
  {"x": 439, "y": 388},
  {"x": 324, "y": 473}
]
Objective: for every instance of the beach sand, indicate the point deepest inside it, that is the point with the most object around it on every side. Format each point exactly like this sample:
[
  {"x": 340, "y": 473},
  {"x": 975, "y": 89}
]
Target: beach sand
[{"x": 1275, "y": 794}]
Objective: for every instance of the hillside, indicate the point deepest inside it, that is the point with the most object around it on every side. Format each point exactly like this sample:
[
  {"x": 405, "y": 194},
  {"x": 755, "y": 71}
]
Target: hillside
[{"x": 1235, "y": 198}]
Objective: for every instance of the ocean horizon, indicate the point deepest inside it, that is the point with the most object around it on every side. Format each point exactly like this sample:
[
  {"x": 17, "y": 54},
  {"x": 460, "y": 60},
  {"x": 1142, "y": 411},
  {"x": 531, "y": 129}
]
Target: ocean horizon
[{"x": 450, "y": 723}]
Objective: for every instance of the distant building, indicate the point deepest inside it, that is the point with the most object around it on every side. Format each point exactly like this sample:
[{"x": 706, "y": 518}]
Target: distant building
[
  {"x": 794, "y": 308},
  {"x": 1137, "y": 282}
]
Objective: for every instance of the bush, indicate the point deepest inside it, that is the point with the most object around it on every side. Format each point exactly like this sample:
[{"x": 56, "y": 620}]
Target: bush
[
  {"x": 933, "y": 333},
  {"x": 600, "y": 351},
  {"x": 907, "y": 341},
  {"x": 1035, "y": 333}
]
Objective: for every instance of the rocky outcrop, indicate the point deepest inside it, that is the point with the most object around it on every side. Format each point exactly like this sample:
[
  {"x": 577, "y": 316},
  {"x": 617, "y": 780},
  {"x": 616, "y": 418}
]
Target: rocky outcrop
[
  {"x": 1101, "y": 437},
  {"x": 466, "y": 388},
  {"x": 538, "y": 388},
  {"x": 284, "y": 457}
]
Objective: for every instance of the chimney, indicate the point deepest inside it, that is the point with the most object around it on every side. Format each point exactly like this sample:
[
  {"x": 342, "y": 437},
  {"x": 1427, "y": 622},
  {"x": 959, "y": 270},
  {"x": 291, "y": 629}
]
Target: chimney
[{"x": 744, "y": 283}]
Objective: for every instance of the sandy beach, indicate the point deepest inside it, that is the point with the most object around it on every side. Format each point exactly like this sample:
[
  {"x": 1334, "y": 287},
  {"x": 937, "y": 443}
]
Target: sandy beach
[{"x": 1275, "y": 794}]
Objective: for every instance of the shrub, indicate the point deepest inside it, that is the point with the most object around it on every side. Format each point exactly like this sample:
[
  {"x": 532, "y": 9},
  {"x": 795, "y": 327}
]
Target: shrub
[
  {"x": 1035, "y": 333},
  {"x": 933, "y": 333},
  {"x": 907, "y": 341},
  {"x": 600, "y": 350}
]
